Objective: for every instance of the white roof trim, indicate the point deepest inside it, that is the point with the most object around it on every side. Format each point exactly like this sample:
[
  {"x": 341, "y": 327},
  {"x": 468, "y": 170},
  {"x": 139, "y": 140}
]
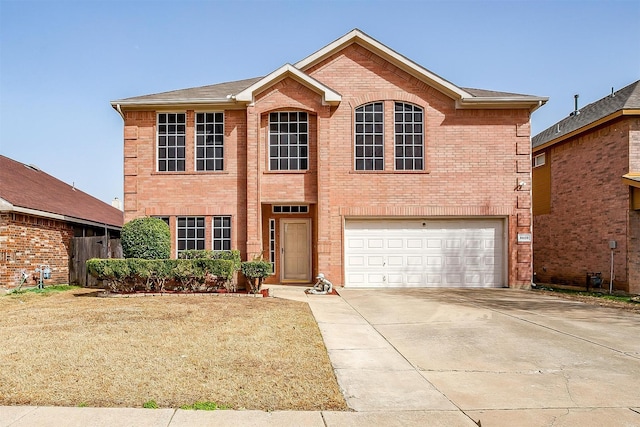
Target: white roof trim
[
  {"x": 172, "y": 101},
  {"x": 357, "y": 36},
  {"x": 531, "y": 102},
  {"x": 329, "y": 96}
]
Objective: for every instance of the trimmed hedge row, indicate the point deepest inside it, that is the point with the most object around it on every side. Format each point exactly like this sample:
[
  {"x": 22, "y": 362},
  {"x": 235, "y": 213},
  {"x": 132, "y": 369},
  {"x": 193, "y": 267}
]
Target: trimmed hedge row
[
  {"x": 232, "y": 255},
  {"x": 158, "y": 275}
]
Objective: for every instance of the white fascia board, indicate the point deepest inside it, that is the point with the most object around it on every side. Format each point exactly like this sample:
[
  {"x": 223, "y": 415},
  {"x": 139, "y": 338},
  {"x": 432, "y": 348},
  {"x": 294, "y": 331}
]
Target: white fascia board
[
  {"x": 329, "y": 96},
  {"x": 169, "y": 102},
  {"x": 5, "y": 206},
  {"x": 402, "y": 62},
  {"x": 8, "y": 207},
  {"x": 532, "y": 103}
]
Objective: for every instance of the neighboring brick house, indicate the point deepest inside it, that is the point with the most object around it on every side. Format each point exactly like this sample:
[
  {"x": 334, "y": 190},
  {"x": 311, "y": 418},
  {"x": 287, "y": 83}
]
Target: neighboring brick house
[
  {"x": 586, "y": 194},
  {"x": 355, "y": 162},
  {"x": 39, "y": 215}
]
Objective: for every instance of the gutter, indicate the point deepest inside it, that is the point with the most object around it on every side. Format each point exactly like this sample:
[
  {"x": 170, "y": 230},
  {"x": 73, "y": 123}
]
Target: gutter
[
  {"x": 533, "y": 103},
  {"x": 116, "y": 104}
]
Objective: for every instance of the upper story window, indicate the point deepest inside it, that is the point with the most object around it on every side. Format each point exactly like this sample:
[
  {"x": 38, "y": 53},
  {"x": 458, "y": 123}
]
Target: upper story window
[
  {"x": 171, "y": 142},
  {"x": 288, "y": 141},
  {"x": 209, "y": 141},
  {"x": 369, "y": 137},
  {"x": 539, "y": 160},
  {"x": 409, "y": 152}
]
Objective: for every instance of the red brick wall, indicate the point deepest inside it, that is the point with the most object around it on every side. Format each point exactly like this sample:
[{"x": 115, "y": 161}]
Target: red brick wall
[
  {"x": 589, "y": 207},
  {"x": 474, "y": 161},
  {"x": 189, "y": 193},
  {"x": 474, "y": 158},
  {"x": 26, "y": 242}
]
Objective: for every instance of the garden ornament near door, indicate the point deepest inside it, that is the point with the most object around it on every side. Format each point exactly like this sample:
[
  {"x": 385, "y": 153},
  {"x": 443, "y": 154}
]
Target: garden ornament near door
[{"x": 322, "y": 286}]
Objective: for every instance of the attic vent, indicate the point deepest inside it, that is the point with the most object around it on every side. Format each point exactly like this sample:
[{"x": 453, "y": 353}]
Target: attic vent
[{"x": 32, "y": 167}]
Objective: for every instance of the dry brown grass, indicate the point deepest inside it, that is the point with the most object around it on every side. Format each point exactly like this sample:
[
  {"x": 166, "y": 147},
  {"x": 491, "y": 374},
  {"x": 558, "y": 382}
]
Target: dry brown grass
[{"x": 71, "y": 348}]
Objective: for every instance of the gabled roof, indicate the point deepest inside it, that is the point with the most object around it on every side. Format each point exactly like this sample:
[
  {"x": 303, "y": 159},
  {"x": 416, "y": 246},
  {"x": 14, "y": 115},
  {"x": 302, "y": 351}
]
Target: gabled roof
[
  {"x": 328, "y": 95},
  {"x": 364, "y": 40},
  {"x": 27, "y": 189},
  {"x": 625, "y": 101},
  {"x": 243, "y": 91}
]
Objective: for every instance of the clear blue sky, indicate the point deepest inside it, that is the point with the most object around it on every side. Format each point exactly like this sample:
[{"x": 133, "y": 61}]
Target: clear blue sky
[{"x": 61, "y": 62}]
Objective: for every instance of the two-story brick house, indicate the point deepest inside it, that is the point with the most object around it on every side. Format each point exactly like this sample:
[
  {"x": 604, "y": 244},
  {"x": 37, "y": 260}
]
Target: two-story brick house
[
  {"x": 355, "y": 162},
  {"x": 586, "y": 194}
]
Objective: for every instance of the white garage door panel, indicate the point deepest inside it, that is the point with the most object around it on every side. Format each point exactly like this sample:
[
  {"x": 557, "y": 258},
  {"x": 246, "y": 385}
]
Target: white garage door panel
[{"x": 419, "y": 253}]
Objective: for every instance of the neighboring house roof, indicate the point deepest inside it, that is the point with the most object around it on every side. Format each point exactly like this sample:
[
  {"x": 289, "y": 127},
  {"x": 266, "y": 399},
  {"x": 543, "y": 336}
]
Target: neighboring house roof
[
  {"x": 27, "y": 189},
  {"x": 625, "y": 101},
  {"x": 245, "y": 90}
]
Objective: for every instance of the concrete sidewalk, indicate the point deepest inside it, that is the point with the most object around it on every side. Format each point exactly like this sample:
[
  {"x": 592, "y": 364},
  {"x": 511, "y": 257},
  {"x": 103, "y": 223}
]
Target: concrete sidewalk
[{"x": 425, "y": 357}]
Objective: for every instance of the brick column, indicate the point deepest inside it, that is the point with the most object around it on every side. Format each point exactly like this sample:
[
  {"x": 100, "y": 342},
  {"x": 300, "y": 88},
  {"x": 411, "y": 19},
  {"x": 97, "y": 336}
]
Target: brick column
[
  {"x": 324, "y": 186},
  {"x": 254, "y": 169}
]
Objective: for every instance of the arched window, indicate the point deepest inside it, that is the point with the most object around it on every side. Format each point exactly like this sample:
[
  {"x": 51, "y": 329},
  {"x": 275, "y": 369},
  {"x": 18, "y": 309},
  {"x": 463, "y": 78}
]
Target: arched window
[
  {"x": 409, "y": 137},
  {"x": 369, "y": 137}
]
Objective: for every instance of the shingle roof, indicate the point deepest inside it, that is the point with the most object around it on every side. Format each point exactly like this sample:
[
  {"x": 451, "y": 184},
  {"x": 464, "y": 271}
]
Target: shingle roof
[
  {"x": 625, "y": 98},
  {"x": 217, "y": 92},
  {"x": 220, "y": 93},
  {"x": 27, "y": 187}
]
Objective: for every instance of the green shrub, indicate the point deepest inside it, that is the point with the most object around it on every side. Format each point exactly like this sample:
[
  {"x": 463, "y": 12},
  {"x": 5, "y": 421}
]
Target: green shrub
[
  {"x": 146, "y": 238},
  {"x": 115, "y": 272},
  {"x": 232, "y": 255},
  {"x": 134, "y": 274},
  {"x": 256, "y": 272}
]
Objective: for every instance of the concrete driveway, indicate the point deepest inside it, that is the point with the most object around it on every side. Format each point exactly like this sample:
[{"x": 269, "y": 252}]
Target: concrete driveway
[{"x": 499, "y": 356}]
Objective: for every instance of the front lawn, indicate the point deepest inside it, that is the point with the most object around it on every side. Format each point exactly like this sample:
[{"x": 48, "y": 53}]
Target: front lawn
[{"x": 74, "y": 349}]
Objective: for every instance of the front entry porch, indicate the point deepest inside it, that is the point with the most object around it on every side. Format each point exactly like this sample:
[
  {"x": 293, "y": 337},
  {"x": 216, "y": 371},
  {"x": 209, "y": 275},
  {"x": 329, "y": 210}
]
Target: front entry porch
[{"x": 288, "y": 240}]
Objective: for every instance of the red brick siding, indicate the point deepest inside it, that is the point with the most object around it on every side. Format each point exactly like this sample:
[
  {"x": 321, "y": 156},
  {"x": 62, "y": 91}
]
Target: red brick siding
[
  {"x": 26, "y": 242},
  {"x": 473, "y": 165},
  {"x": 188, "y": 193},
  {"x": 589, "y": 207},
  {"x": 474, "y": 161}
]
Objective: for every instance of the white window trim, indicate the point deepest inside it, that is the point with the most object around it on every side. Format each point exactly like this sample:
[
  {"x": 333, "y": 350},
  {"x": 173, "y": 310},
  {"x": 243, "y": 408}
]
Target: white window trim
[
  {"x": 302, "y": 209},
  {"x": 395, "y": 134},
  {"x": 195, "y": 141},
  {"x": 537, "y": 163},
  {"x": 157, "y": 141},
  {"x": 308, "y": 144},
  {"x": 272, "y": 245},
  {"x": 383, "y": 138},
  {"x": 213, "y": 239},
  {"x": 178, "y": 228}
]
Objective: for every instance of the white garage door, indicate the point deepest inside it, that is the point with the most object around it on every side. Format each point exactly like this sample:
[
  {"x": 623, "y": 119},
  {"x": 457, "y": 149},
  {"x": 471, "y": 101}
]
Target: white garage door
[{"x": 424, "y": 253}]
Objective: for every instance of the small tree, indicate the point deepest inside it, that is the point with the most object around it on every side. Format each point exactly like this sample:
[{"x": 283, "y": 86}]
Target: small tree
[
  {"x": 146, "y": 238},
  {"x": 255, "y": 272}
]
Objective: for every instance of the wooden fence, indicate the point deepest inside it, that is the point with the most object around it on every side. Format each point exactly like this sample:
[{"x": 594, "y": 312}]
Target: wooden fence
[{"x": 84, "y": 248}]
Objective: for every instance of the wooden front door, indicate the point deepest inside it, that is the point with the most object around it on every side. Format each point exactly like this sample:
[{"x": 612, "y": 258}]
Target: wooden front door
[{"x": 295, "y": 249}]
